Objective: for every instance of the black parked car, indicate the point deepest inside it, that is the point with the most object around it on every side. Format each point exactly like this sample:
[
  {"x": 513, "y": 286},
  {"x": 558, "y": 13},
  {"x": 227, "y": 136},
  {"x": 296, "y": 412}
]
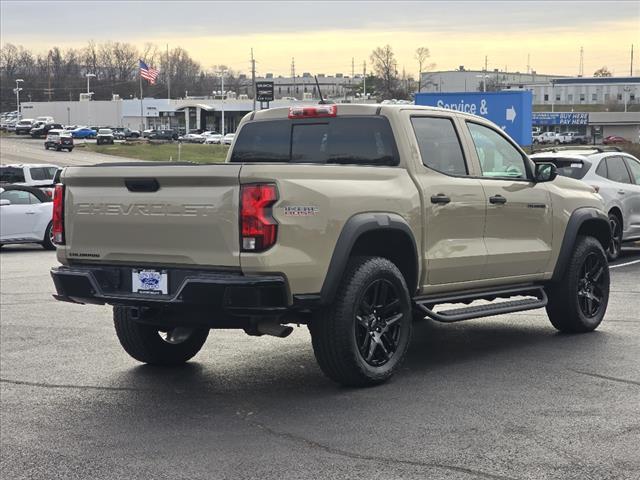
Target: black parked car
[
  {"x": 42, "y": 130},
  {"x": 58, "y": 140},
  {"x": 163, "y": 135}
]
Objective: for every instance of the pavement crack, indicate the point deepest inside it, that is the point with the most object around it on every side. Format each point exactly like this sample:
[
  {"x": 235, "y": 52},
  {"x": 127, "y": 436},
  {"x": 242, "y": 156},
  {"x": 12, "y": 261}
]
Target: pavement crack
[
  {"x": 606, "y": 377},
  {"x": 359, "y": 456},
  {"x": 68, "y": 386}
]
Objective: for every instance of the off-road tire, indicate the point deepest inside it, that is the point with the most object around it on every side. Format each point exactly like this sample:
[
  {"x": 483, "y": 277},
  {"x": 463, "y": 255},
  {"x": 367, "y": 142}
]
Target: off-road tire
[
  {"x": 46, "y": 243},
  {"x": 333, "y": 329},
  {"x": 144, "y": 343},
  {"x": 563, "y": 308}
]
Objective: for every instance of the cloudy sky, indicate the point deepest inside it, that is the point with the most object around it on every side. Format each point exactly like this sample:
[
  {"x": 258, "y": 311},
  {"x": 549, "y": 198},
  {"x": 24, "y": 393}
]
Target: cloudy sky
[{"x": 325, "y": 36}]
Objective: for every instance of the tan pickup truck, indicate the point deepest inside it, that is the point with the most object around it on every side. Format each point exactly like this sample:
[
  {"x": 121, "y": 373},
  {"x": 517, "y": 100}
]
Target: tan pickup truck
[{"x": 353, "y": 219}]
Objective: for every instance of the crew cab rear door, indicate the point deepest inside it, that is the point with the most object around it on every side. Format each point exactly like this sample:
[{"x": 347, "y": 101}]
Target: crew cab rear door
[{"x": 454, "y": 203}]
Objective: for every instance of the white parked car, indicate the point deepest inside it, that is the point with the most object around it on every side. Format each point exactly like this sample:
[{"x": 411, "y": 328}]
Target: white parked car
[
  {"x": 214, "y": 138},
  {"x": 228, "y": 138},
  {"x": 25, "y": 216},
  {"x": 547, "y": 137},
  {"x": 31, "y": 175},
  {"x": 191, "y": 138},
  {"x": 616, "y": 177}
]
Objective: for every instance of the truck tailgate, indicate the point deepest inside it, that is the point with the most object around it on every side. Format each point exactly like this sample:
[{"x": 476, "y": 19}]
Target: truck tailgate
[{"x": 155, "y": 214}]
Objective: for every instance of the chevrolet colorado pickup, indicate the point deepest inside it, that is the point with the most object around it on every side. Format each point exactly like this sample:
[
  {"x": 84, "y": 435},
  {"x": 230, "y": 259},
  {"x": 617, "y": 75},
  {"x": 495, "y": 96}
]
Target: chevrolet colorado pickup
[{"x": 355, "y": 220}]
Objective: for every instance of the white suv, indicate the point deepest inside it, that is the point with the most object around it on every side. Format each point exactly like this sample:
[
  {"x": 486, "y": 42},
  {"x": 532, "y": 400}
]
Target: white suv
[
  {"x": 32, "y": 175},
  {"x": 616, "y": 177}
]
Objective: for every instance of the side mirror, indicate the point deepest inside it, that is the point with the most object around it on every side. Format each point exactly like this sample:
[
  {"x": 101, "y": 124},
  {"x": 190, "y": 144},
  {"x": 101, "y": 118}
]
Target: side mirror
[
  {"x": 4, "y": 202},
  {"x": 545, "y": 172}
]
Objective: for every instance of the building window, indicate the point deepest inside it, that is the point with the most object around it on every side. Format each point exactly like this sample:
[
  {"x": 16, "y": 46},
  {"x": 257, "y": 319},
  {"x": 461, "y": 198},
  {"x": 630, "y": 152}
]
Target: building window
[
  {"x": 546, "y": 97},
  {"x": 594, "y": 97},
  {"x": 619, "y": 96},
  {"x": 557, "y": 97},
  {"x": 570, "y": 97},
  {"x": 606, "y": 97},
  {"x": 582, "y": 97},
  {"x": 632, "y": 96}
]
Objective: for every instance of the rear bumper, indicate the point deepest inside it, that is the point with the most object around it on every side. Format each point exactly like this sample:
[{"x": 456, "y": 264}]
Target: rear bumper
[{"x": 221, "y": 291}]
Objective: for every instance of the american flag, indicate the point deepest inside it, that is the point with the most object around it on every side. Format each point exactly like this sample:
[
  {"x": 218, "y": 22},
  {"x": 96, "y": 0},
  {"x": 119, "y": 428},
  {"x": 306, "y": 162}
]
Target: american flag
[{"x": 148, "y": 73}]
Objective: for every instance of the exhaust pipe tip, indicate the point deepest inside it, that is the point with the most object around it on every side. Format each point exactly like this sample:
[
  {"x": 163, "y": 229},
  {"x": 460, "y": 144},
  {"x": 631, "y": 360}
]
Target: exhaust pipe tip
[{"x": 274, "y": 329}]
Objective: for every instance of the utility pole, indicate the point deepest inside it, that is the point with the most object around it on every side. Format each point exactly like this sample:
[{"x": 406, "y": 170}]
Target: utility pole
[
  {"x": 631, "y": 65},
  {"x": 528, "y": 63},
  {"x": 253, "y": 79},
  {"x": 293, "y": 75},
  {"x": 484, "y": 76},
  {"x": 581, "y": 68}
]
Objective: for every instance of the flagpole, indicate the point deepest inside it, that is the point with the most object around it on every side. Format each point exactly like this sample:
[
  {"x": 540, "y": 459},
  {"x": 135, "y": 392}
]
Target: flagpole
[
  {"x": 141, "y": 109},
  {"x": 168, "y": 75}
]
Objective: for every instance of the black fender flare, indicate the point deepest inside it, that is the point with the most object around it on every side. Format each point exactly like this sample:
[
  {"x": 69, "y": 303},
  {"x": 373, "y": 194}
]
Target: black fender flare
[
  {"x": 577, "y": 219},
  {"x": 355, "y": 227}
]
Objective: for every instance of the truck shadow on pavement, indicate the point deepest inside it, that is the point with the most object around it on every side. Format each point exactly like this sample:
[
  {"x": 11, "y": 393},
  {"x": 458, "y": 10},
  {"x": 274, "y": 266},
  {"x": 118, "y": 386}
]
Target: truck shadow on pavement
[{"x": 469, "y": 348}]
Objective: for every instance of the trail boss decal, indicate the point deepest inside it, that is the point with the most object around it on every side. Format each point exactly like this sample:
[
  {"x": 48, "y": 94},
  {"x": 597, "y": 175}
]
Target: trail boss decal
[{"x": 300, "y": 211}]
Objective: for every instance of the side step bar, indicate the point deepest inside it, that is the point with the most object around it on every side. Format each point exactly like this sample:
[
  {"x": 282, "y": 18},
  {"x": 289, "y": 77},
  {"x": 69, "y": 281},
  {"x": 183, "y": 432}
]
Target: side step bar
[{"x": 427, "y": 304}]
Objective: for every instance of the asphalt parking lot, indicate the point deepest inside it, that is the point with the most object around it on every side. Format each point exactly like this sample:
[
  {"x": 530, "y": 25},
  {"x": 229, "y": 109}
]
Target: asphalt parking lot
[
  {"x": 499, "y": 398},
  {"x": 24, "y": 149}
]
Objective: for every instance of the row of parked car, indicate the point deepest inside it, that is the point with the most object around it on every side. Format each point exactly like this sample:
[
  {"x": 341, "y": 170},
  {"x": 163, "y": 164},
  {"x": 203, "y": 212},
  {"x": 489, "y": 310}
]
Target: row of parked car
[
  {"x": 564, "y": 138},
  {"x": 207, "y": 137}
]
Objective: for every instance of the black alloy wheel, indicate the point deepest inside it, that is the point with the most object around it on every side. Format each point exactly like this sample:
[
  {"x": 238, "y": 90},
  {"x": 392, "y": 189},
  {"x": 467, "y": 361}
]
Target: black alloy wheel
[
  {"x": 378, "y": 328},
  {"x": 615, "y": 246},
  {"x": 591, "y": 286}
]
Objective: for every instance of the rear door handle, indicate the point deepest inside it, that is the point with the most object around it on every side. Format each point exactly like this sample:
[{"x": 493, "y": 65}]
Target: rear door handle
[
  {"x": 440, "y": 198},
  {"x": 497, "y": 199},
  {"x": 621, "y": 192},
  {"x": 30, "y": 212}
]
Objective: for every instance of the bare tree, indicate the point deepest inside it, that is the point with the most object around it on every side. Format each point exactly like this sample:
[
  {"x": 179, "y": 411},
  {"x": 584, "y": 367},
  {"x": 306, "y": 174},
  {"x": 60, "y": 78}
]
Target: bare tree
[
  {"x": 126, "y": 57},
  {"x": 385, "y": 67},
  {"x": 602, "y": 72},
  {"x": 422, "y": 55}
]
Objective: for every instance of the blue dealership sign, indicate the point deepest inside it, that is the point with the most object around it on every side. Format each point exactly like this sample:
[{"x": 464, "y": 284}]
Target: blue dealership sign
[
  {"x": 561, "y": 118},
  {"x": 511, "y": 111}
]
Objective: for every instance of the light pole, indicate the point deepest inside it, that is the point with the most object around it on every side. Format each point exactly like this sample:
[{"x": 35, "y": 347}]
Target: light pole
[
  {"x": 89, "y": 77},
  {"x": 17, "y": 90},
  {"x": 221, "y": 73}
]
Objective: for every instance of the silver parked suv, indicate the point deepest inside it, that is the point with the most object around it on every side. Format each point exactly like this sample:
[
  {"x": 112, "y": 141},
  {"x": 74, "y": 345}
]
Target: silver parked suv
[{"x": 616, "y": 177}]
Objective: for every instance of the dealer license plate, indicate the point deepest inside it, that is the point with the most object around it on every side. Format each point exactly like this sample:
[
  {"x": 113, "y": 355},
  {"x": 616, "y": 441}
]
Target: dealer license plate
[{"x": 152, "y": 282}]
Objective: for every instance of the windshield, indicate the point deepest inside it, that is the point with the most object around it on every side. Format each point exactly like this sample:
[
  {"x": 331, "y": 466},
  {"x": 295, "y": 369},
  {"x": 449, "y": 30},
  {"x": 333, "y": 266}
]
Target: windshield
[{"x": 341, "y": 140}]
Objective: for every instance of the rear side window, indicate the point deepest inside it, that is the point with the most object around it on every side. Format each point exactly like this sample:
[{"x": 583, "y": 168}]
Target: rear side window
[
  {"x": 43, "y": 173},
  {"x": 617, "y": 170},
  {"x": 340, "y": 140},
  {"x": 439, "y": 145},
  {"x": 19, "y": 197},
  {"x": 11, "y": 175},
  {"x": 634, "y": 166}
]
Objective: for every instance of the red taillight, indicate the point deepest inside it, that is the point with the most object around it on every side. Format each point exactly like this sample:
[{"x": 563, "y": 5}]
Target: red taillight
[
  {"x": 258, "y": 227},
  {"x": 58, "y": 215},
  {"x": 320, "y": 111}
]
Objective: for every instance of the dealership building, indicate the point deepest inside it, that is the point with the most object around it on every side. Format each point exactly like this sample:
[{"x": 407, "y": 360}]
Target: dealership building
[{"x": 158, "y": 113}]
